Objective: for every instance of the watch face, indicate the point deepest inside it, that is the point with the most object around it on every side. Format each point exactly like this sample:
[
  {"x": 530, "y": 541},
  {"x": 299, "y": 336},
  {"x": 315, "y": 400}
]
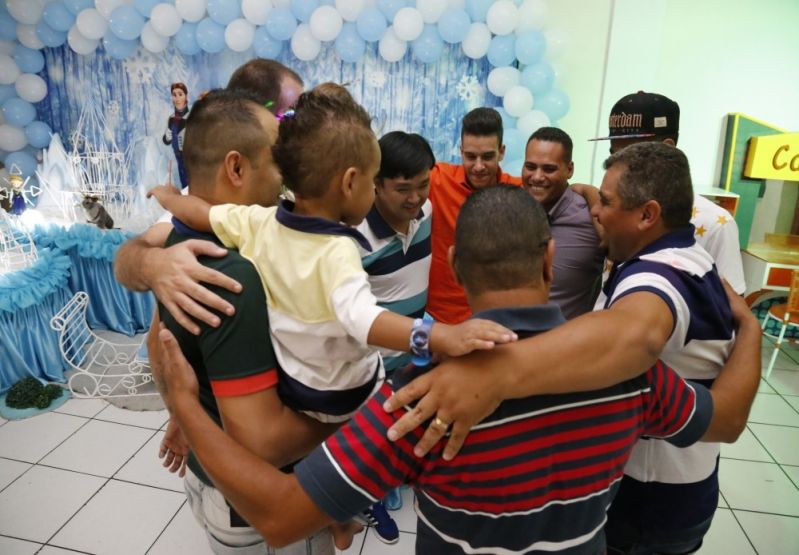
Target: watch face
[{"x": 419, "y": 339}]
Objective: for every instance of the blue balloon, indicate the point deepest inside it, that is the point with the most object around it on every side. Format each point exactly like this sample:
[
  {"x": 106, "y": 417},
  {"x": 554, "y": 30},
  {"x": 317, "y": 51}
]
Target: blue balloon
[
  {"x": 126, "y": 23},
  {"x": 224, "y": 11},
  {"x": 186, "y": 39},
  {"x": 453, "y": 25},
  {"x": 302, "y": 9},
  {"x": 478, "y": 9},
  {"x": 538, "y": 77},
  {"x": 77, "y": 6},
  {"x": 501, "y": 51},
  {"x": 514, "y": 142},
  {"x": 554, "y": 103},
  {"x": 280, "y": 23},
  {"x": 264, "y": 46},
  {"x": 8, "y": 27},
  {"x": 38, "y": 134},
  {"x": 428, "y": 46},
  {"x": 391, "y": 7},
  {"x": 327, "y": 2},
  {"x": 6, "y": 92},
  {"x": 58, "y": 16},
  {"x": 116, "y": 47},
  {"x": 144, "y": 7},
  {"x": 210, "y": 35},
  {"x": 28, "y": 60},
  {"x": 49, "y": 36},
  {"x": 349, "y": 45},
  {"x": 514, "y": 166},
  {"x": 18, "y": 112},
  {"x": 371, "y": 24},
  {"x": 508, "y": 121},
  {"x": 24, "y": 161},
  {"x": 530, "y": 46}
]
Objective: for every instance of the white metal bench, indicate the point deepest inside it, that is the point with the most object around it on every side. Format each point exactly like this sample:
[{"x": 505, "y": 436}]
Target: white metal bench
[{"x": 101, "y": 367}]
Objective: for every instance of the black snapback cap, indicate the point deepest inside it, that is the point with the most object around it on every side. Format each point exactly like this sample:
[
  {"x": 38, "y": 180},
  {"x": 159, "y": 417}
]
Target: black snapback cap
[{"x": 641, "y": 115}]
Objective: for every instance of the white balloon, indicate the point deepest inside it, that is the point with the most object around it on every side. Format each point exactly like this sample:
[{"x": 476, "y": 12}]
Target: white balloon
[
  {"x": 239, "y": 34},
  {"x": 303, "y": 43},
  {"x": 556, "y": 43},
  {"x": 477, "y": 40},
  {"x": 431, "y": 10},
  {"x": 79, "y": 43},
  {"x": 31, "y": 87},
  {"x": 518, "y": 101},
  {"x": 9, "y": 71},
  {"x": 350, "y": 9},
  {"x": 531, "y": 16},
  {"x": 531, "y": 121},
  {"x": 408, "y": 24},
  {"x": 7, "y": 47},
  {"x": 105, "y": 7},
  {"x": 391, "y": 47},
  {"x": 256, "y": 11},
  {"x": 12, "y": 138},
  {"x": 166, "y": 20},
  {"x": 501, "y": 79},
  {"x": 91, "y": 24},
  {"x": 457, "y": 4},
  {"x": 281, "y": 3},
  {"x": 326, "y": 23},
  {"x": 151, "y": 40},
  {"x": 25, "y": 11},
  {"x": 502, "y": 17},
  {"x": 191, "y": 10},
  {"x": 26, "y": 35}
]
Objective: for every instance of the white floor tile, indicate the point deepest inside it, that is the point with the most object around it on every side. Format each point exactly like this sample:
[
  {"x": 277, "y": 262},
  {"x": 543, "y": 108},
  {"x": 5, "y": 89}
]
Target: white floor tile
[
  {"x": 792, "y": 472},
  {"x": 122, "y": 519},
  {"x": 183, "y": 536},
  {"x": 406, "y": 516},
  {"x": 38, "y": 504},
  {"x": 725, "y": 536},
  {"x": 50, "y": 550},
  {"x": 373, "y": 546},
  {"x": 771, "y": 534},
  {"x": 781, "y": 441},
  {"x": 357, "y": 545},
  {"x": 773, "y": 409},
  {"x": 13, "y": 546},
  {"x": 152, "y": 419},
  {"x": 10, "y": 471},
  {"x": 757, "y": 486},
  {"x": 145, "y": 468},
  {"x": 110, "y": 445},
  {"x": 31, "y": 439},
  {"x": 82, "y": 407},
  {"x": 792, "y": 400},
  {"x": 722, "y": 503},
  {"x": 765, "y": 387},
  {"x": 747, "y": 448},
  {"x": 784, "y": 381}
]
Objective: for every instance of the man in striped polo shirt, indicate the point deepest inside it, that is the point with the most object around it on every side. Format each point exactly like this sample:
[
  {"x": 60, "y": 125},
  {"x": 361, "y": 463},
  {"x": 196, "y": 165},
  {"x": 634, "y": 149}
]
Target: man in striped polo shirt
[{"x": 535, "y": 476}]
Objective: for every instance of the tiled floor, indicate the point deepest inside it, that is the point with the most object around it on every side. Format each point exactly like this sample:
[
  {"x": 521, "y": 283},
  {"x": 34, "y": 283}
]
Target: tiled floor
[{"x": 86, "y": 479}]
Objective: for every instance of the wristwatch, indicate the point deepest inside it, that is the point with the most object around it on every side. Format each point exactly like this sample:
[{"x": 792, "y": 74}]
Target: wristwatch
[{"x": 420, "y": 341}]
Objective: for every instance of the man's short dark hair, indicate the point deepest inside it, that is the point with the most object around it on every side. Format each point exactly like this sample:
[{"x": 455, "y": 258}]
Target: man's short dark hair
[
  {"x": 482, "y": 122},
  {"x": 554, "y": 135},
  {"x": 656, "y": 171},
  {"x": 263, "y": 80},
  {"x": 221, "y": 121},
  {"x": 404, "y": 155},
  {"x": 500, "y": 240}
]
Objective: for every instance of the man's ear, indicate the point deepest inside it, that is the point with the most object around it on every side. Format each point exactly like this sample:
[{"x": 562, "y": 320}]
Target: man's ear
[
  {"x": 650, "y": 214},
  {"x": 233, "y": 166},
  {"x": 571, "y": 170},
  {"x": 501, "y": 153},
  {"x": 669, "y": 142},
  {"x": 453, "y": 265},
  {"x": 348, "y": 181},
  {"x": 549, "y": 257}
]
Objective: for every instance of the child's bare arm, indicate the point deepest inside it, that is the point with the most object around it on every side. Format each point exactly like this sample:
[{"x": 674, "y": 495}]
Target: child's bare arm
[{"x": 192, "y": 211}]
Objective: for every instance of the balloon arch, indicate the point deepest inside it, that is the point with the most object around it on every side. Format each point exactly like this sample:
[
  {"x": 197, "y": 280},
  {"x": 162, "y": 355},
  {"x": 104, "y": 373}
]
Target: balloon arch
[{"x": 506, "y": 32}]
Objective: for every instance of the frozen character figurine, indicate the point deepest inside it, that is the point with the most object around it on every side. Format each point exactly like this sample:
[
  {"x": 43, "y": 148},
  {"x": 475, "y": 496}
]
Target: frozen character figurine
[
  {"x": 13, "y": 192},
  {"x": 175, "y": 127},
  {"x": 96, "y": 213}
]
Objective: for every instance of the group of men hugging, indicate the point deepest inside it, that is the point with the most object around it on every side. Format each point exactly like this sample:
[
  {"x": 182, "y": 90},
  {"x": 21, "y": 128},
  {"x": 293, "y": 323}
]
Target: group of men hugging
[{"x": 341, "y": 315}]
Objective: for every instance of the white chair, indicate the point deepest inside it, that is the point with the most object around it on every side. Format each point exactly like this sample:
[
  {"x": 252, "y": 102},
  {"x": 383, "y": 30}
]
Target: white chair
[
  {"x": 17, "y": 250},
  {"x": 102, "y": 368},
  {"x": 785, "y": 313}
]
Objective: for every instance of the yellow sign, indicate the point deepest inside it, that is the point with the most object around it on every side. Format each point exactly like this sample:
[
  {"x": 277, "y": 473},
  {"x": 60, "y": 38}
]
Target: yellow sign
[{"x": 773, "y": 157}]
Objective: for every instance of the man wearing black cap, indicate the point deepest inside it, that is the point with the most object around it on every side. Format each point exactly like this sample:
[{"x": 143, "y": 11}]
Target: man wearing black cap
[{"x": 646, "y": 116}]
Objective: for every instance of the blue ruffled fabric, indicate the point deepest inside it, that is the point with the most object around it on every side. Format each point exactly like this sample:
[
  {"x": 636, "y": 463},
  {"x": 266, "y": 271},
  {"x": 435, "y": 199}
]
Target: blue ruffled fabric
[
  {"x": 28, "y": 287},
  {"x": 89, "y": 241}
]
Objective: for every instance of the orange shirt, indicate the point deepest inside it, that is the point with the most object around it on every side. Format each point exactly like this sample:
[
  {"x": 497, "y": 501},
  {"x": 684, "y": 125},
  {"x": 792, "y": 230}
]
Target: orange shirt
[{"x": 446, "y": 300}]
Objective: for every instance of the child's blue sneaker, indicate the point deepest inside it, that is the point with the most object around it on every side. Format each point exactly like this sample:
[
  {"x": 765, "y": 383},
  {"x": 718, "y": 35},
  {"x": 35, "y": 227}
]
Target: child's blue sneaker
[
  {"x": 393, "y": 500},
  {"x": 384, "y": 526}
]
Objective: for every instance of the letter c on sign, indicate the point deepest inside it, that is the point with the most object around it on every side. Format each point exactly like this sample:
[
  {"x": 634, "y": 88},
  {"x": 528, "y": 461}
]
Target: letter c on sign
[{"x": 776, "y": 154}]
